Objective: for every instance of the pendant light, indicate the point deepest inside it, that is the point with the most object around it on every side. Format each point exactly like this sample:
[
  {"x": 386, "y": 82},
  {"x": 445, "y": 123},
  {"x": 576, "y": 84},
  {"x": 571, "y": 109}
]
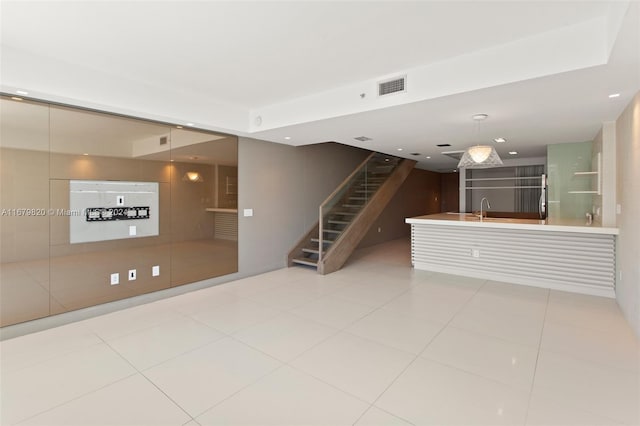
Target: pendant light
[{"x": 480, "y": 156}]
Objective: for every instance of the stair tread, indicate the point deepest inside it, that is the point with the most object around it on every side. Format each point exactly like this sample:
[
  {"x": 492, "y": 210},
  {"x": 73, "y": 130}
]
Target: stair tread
[
  {"x": 315, "y": 240},
  {"x": 348, "y": 207},
  {"x": 332, "y": 231},
  {"x": 305, "y": 262}
]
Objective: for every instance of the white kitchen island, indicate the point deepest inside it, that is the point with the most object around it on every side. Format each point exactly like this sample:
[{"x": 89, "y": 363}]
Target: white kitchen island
[{"x": 561, "y": 255}]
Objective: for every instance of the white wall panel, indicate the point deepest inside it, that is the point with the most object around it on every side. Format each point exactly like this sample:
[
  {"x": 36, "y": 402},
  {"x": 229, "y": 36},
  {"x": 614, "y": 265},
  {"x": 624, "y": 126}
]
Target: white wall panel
[{"x": 582, "y": 263}]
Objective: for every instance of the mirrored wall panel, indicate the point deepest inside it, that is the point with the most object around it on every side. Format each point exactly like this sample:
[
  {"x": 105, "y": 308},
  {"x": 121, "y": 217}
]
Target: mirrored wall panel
[
  {"x": 24, "y": 211},
  {"x": 204, "y": 214},
  {"x": 131, "y": 207}
]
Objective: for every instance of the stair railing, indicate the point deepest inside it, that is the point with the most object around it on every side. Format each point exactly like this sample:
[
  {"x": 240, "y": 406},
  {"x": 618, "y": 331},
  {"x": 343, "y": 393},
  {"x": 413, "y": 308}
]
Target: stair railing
[{"x": 330, "y": 202}]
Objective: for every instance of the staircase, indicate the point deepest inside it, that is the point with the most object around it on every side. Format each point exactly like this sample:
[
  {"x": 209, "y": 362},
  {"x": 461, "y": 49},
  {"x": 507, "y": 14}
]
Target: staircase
[{"x": 348, "y": 213}]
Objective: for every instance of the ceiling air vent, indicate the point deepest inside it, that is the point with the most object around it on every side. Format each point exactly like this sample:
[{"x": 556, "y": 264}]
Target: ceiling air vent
[
  {"x": 396, "y": 85},
  {"x": 362, "y": 138},
  {"x": 163, "y": 140},
  {"x": 456, "y": 155}
]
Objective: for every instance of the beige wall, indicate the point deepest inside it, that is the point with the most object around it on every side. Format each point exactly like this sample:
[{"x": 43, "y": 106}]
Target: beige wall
[{"x": 628, "y": 197}]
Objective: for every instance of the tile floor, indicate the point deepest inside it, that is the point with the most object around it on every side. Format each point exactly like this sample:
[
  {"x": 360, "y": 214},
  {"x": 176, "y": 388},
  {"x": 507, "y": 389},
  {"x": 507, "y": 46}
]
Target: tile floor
[{"x": 376, "y": 343}]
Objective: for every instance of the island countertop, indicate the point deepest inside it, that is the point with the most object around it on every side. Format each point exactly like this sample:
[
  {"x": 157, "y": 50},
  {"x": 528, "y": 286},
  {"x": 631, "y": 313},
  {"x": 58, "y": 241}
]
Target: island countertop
[
  {"x": 566, "y": 256},
  {"x": 467, "y": 219}
]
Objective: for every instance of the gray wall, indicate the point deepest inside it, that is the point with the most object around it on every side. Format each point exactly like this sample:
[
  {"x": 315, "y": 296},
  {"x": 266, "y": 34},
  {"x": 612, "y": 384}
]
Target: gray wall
[{"x": 284, "y": 186}]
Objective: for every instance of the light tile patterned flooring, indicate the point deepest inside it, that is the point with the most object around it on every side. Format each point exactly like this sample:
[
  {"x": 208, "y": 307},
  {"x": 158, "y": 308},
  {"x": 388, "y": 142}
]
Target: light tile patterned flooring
[{"x": 376, "y": 343}]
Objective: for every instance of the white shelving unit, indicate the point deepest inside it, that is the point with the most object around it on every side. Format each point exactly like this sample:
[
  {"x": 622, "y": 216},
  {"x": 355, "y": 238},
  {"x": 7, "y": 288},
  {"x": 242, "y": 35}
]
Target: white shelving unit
[
  {"x": 502, "y": 178},
  {"x": 596, "y": 173}
]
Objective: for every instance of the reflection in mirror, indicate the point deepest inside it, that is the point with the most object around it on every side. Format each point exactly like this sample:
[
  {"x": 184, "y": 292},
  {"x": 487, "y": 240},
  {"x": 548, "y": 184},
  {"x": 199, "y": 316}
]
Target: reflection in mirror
[
  {"x": 204, "y": 216},
  {"x": 121, "y": 207},
  {"x": 24, "y": 203},
  {"x": 90, "y": 152}
]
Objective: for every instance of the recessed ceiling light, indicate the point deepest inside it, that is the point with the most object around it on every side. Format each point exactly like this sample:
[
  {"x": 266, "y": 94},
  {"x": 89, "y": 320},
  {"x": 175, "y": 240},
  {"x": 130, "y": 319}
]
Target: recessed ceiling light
[
  {"x": 399, "y": 149},
  {"x": 614, "y": 95},
  {"x": 513, "y": 152},
  {"x": 287, "y": 137},
  {"x": 85, "y": 153},
  {"x": 479, "y": 117},
  {"x": 428, "y": 157},
  {"x": 172, "y": 160},
  {"x": 22, "y": 92},
  {"x": 190, "y": 124},
  {"x": 15, "y": 98},
  {"x": 499, "y": 140}
]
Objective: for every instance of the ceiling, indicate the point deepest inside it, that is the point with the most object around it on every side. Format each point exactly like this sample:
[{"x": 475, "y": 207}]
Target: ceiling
[{"x": 542, "y": 71}]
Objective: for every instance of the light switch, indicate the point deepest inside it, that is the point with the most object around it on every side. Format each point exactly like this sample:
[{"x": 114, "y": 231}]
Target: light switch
[
  {"x": 155, "y": 270},
  {"x": 132, "y": 230},
  {"x": 248, "y": 212},
  {"x": 115, "y": 279}
]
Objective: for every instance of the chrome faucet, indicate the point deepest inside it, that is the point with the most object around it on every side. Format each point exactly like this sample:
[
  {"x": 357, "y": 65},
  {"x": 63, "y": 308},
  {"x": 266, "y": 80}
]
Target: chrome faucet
[{"x": 481, "y": 203}]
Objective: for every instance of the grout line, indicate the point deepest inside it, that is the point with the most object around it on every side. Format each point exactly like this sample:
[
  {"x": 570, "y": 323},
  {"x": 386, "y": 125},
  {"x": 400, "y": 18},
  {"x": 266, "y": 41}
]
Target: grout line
[
  {"x": 384, "y": 411},
  {"x": 242, "y": 388},
  {"x": 427, "y": 345},
  {"x": 535, "y": 367},
  {"x": 75, "y": 398},
  {"x": 149, "y": 380}
]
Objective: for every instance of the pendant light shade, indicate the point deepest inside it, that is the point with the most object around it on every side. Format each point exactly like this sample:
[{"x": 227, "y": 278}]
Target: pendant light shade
[{"x": 480, "y": 157}]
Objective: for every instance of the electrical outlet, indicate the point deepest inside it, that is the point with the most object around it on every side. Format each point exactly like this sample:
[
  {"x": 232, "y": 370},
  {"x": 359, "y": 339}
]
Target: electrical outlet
[
  {"x": 155, "y": 270},
  {"x": 379, "y": 229},
  {"x": 132, "y": 274},
  {"x": 475, "y": 253},
  {"x": 119, "y": 200},
  {"x": 115, "y": 279}
]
